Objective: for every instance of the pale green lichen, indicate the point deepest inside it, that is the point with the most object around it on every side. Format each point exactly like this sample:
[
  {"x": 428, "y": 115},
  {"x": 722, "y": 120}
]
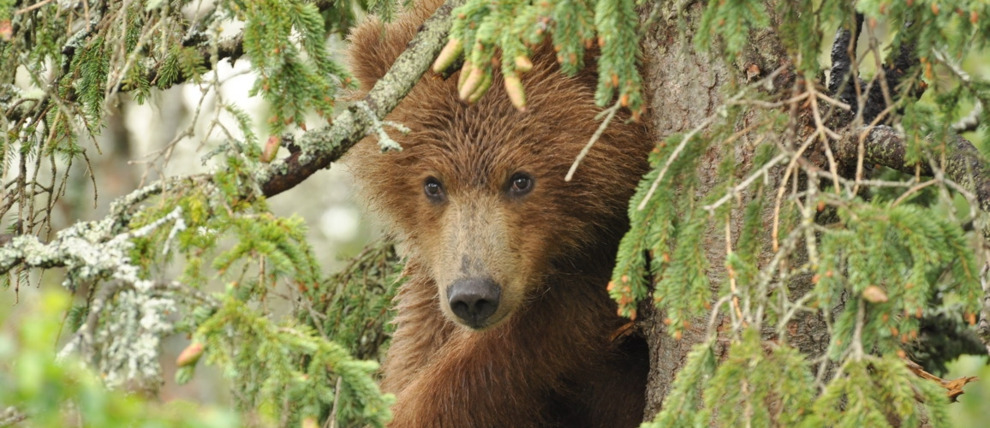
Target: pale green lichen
[
  {"x": 129, "y": 341},
  {"x": 87, "y": 250},
  {"x": 377, "y": 127},
  {"x": 125, "y": 346}
]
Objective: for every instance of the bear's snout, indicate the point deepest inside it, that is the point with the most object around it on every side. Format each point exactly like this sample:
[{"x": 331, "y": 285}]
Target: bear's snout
[{"x": 474, "y": 300}]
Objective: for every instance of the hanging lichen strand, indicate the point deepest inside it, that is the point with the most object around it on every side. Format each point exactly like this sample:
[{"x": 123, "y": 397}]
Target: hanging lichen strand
[{"x": 504, "y": 33}]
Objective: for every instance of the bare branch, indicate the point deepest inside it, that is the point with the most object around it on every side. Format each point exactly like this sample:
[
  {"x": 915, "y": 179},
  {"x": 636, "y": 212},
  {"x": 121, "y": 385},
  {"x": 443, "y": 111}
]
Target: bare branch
[{"x": 885, "y": 146}]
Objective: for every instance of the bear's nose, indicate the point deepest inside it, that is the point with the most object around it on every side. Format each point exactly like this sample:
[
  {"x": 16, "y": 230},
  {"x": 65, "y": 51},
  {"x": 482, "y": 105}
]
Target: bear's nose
[{"x": 474, "y": 300}]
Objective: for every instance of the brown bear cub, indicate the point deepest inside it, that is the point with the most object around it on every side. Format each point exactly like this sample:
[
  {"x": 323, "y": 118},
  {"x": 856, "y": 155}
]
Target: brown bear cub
[{"x": 504, "y": 320}]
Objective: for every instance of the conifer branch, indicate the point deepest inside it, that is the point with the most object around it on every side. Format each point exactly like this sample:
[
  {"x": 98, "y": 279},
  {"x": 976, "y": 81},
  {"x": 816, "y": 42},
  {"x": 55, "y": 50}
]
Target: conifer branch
[
  {"x": 94, "y": 249},
  {"x": 963, "y": 165},
  {"x": 230, "y": 49},
  {"x": 885, "y": 146},
  {"x": 322, "y": 146},
  {"x": 88, "y": 249}
]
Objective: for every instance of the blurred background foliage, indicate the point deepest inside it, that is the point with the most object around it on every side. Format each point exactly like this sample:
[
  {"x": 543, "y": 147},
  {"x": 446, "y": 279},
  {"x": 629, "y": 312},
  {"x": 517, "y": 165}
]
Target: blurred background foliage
[{"x": 971, "y": 410}]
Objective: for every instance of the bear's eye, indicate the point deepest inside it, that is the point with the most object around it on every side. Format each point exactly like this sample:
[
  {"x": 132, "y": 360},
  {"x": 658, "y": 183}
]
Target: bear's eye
[
  {"x": 520, "y": 184},
  {"x": 433, "y": 189}
]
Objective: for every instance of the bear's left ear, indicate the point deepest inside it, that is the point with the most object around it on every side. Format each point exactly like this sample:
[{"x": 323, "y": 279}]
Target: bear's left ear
[{"x": 375, "y": 45}]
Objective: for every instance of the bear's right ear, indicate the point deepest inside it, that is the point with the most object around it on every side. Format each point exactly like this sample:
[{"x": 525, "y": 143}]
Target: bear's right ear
[{"x": 375, "y": 45}]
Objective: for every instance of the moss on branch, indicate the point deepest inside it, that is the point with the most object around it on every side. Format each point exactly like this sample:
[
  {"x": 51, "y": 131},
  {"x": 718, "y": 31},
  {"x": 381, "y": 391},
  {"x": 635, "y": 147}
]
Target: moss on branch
[{"x": 322, "y": 146}]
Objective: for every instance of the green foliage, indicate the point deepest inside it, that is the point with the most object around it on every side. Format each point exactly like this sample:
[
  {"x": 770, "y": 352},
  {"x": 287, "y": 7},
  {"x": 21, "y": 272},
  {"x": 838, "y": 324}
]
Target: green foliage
[
  {"x": 58, "y": 393},
  {"x": 339, "y": 19},
  {"x": 212, "y": 215},
  {"x": 287, "y": 371},
  {"x": 93, "y": 64},
  {"x": 181, "y": 63},
  {"x": 907, "y": 251},
  {"x": 799, "y": 248},
  {"x": 680, "y": 405},
  {"x": 903, "y": 251},
  {"x": 295, "y": 77},
  {"x": 354, "y": 306},
  {"x": 284, "y": 372},
  {"x": 354, "y": 309},
  {"x": 875, "y": 391},
  {"x": 653, "y": 230},
  {"x": 682, "y": 286},
  {"x": 735, "y": 392},
  {"x": 263, "y": 361},
  {"x": 510, "y": 29},
  {"x": 64, "y": 65},
  {"x": 617, "y": 67}
]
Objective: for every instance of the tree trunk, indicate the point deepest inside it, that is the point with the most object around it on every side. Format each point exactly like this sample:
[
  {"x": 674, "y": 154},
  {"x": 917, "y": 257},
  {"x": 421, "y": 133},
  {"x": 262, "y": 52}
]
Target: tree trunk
[{"x": 686, "y": 87}]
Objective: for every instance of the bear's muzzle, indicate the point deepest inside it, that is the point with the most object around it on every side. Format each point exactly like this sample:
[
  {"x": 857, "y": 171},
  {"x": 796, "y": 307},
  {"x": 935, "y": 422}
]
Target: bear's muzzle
[{"x": 474, "y": 300}]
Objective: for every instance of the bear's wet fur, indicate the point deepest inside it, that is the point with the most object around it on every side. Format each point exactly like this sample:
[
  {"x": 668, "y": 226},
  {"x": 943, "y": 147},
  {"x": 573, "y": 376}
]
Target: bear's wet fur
[{"x": 477, "y": 196}]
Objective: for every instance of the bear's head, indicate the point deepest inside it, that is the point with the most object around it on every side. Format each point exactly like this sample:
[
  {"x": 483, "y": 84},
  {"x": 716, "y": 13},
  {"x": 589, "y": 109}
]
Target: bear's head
[{"x": 478, "y": 192}]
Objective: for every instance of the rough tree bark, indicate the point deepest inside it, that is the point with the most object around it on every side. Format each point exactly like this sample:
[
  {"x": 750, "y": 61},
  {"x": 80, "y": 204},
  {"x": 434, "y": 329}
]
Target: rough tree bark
[{"x": 686, "y": 87}]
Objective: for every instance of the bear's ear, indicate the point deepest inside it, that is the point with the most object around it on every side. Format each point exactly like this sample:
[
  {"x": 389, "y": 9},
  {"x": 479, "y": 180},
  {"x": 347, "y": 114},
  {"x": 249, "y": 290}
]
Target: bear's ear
[{"x": 375, "y": 45}]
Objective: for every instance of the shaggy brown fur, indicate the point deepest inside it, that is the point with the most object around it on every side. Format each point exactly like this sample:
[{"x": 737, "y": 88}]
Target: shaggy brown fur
[{"x": 546, "y": 356}]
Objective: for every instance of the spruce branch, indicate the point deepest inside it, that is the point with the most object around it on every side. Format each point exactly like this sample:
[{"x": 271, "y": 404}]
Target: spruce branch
[
  {"x": 95, "y": 249},
  {"x": 849, "y": 88},
  {"x": 85, "y": 242},
  {"x": 961, "y": 165},
  {"x": 230, "y": 49},
  {"x": 885, "y": 146},
  {"x": 322, "y": 146},
  {"x": 82, "y": 341}
]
